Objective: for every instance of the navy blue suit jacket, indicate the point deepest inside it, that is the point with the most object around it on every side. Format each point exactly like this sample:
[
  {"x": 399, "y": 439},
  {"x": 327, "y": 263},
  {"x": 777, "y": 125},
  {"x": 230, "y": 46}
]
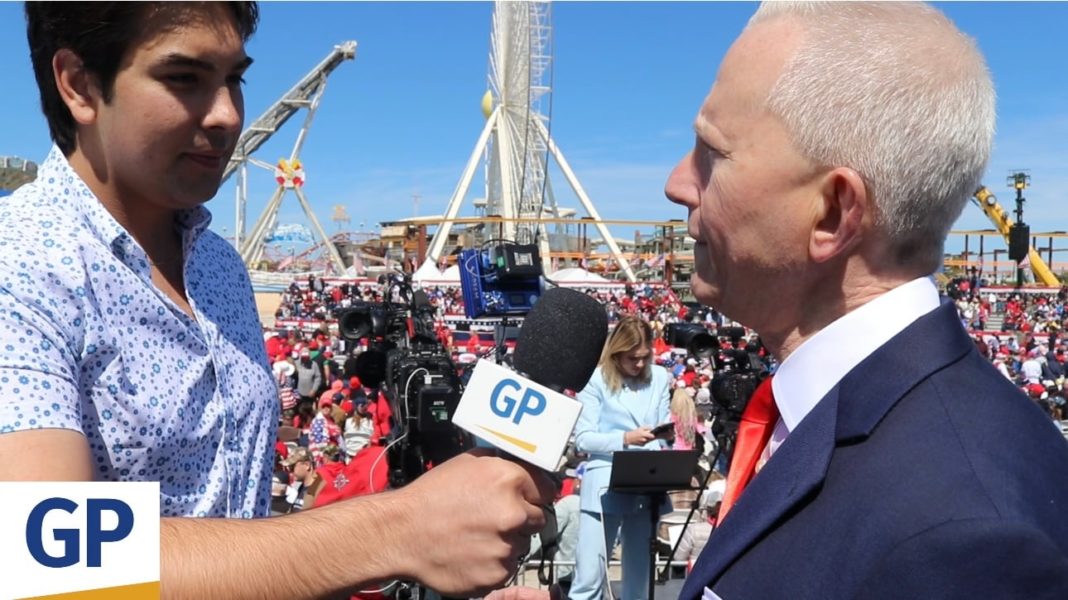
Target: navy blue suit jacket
[{"x": 923, "y": 474}]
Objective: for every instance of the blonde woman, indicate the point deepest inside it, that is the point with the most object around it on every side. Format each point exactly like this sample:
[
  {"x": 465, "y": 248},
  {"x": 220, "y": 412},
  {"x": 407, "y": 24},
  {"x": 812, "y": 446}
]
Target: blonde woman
[
  {"x": 626, "y": 397},
  {"x": 688, "y": 427}
]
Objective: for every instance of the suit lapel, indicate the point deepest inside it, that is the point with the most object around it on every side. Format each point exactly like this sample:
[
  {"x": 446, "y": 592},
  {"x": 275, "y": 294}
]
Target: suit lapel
[
  {"x": 871, "y": 389},
  {"x": 849, "y": 411},
  {"x": 797, "y": 469}
]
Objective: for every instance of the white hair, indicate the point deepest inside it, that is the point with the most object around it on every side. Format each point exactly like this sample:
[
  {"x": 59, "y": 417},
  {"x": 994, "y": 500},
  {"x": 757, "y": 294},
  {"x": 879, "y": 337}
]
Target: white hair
[{"x": 897, "y": 93}]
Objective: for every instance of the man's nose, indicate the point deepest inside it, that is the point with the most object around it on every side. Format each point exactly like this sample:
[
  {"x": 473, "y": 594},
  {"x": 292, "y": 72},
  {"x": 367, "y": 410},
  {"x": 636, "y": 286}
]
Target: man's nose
[
  {"x": 227, "y": 110},
  {"x": 681, "y": 186}
]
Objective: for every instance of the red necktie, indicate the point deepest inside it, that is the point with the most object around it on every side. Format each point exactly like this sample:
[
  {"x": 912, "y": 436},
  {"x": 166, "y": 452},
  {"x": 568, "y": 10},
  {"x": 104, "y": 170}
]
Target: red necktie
[{"x": 754, "y": 431}]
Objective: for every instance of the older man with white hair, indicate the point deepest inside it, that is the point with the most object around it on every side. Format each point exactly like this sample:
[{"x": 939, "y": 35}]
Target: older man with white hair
[
  {"x": 886, "y": 458},
  {"x": 839, "y": 143}
]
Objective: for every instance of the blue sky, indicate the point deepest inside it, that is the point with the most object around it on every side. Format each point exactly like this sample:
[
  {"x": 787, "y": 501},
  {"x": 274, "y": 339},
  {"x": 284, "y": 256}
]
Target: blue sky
[{"x": 403, "y": 117}]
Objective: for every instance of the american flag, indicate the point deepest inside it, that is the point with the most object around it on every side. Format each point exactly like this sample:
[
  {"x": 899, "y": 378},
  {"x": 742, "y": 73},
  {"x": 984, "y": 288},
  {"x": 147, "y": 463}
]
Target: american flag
[{"x": 320, "y": 435}]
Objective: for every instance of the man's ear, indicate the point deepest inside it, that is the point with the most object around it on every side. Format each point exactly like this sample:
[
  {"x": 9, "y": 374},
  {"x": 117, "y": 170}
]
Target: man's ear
[
  {"x": 77, "y": 87},
  {"x": 844, "y": 215}
]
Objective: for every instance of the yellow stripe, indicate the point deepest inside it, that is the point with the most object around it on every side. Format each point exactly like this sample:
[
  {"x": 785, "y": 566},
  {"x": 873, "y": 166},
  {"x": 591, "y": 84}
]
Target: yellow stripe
[
  {"x": 137, "y": 591},
  {"x": 518, "y": 442}
]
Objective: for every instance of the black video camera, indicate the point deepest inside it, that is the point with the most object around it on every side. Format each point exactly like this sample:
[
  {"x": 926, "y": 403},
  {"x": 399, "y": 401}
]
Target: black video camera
[
  {"x": 691, "y": 336},
  {"x": 405, "y": 360},
  {"x": 738, "y": 370}
]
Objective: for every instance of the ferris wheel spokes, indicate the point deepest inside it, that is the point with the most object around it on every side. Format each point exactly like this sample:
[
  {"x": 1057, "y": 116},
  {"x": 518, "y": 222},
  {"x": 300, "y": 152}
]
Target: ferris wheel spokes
[{"x": 516, "y": 142}]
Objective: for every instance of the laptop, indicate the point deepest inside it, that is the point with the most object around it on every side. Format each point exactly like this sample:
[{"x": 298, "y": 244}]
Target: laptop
[{"x": 650, "y": 471}]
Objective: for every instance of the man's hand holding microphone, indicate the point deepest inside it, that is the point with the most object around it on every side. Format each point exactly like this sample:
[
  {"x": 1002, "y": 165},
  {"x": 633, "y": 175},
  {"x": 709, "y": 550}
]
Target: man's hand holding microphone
[
  {"x": 478, "y": 513},
  {"x": 529, "y": 420}
]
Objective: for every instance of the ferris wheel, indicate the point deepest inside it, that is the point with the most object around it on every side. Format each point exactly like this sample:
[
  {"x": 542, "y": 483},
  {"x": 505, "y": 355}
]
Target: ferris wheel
[
  {"x": 520, "y": 84},
  {"x": 515, "y": 143}
]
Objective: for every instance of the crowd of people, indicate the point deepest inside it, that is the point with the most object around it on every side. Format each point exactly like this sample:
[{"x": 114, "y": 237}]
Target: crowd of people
[
  {"x": 329, "y": 417},
  {"x": 874, "y": 445},
  {"x": 319, "y": 300},
  {"x": 1028, "y": 348},
  {"x": 1032, "y": 323}
]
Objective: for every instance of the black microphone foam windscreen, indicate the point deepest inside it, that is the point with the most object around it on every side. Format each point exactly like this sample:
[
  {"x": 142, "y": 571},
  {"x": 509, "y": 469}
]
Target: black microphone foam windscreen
[{"x": 561, "y": 339}]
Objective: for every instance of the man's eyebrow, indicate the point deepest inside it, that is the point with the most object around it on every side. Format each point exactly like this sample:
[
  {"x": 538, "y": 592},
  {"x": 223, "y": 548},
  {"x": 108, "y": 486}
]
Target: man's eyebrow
[
  {"x": 708, "y": 131},
  {"x": 181, "y": 60}
]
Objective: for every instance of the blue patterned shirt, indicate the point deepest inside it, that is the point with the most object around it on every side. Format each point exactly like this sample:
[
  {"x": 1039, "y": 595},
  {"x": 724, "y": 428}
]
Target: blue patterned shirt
[{"x": 88, "y": 343}]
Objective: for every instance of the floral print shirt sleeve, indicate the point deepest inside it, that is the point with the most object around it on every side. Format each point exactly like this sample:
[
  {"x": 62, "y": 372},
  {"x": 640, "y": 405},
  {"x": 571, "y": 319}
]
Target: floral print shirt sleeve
[{"x": 89, "y": 344}]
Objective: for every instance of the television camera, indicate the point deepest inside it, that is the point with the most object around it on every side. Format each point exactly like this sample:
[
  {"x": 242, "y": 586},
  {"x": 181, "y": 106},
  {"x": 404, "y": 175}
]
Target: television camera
[
  {"x": 405, "y": 360},
  {"x": 500, "y": 280},
  {"x": 737, "y": 371}
]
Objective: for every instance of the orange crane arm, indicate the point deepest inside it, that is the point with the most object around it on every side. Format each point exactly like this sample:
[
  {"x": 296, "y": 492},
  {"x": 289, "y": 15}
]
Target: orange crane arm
[{"x": 986, "y": 201}]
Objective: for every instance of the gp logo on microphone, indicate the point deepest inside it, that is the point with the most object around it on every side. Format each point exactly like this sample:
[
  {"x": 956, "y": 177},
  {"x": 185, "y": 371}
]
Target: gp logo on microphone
[
  {"x": 67, "y": 537},
  {"x": 507, "y": 402},
  {"x": 528, "y": 421}
]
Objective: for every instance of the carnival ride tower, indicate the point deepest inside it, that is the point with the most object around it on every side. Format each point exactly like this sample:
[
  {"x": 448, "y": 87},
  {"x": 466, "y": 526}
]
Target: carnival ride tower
[
  {"x": 515, "y": 142},
  {"x": 288, "y": 172}
]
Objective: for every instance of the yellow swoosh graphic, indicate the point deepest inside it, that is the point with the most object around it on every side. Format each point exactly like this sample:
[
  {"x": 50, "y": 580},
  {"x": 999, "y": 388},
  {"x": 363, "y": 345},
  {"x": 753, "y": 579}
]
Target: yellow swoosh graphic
[
  {"x": 139, "y": 591},
  {"x": 518, "y": 442}
]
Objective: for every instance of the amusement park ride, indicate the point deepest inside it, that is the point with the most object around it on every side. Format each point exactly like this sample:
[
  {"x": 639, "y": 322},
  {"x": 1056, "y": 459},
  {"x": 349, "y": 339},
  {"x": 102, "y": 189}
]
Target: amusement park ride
[
  {"x": 289, "y": 173},
  {"x": 515, "y": 146},
  {"x": 515, "y": 141}
]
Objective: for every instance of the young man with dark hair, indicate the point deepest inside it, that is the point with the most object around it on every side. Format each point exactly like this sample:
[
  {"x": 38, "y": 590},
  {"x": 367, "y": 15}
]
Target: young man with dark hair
[
  {"x": 99, "y": 33},
  {"x": 131, "y": 346}
]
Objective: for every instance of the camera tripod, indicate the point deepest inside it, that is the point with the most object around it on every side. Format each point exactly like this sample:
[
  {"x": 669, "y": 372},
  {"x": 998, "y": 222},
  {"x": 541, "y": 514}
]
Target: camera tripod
[{"x": 726, "y": 440}]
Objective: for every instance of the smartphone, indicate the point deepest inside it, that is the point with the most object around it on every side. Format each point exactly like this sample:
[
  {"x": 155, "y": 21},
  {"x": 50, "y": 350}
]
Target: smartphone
[{"x": 663, "y": 429}]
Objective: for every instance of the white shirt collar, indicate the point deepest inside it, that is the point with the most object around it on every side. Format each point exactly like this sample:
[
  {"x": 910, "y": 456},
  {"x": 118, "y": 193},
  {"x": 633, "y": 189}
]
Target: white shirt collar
[{"x": 821, "y": 361}]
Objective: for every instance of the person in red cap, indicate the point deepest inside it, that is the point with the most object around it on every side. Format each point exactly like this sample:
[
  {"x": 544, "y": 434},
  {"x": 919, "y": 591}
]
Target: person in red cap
[{"x": 335, "y": 388}]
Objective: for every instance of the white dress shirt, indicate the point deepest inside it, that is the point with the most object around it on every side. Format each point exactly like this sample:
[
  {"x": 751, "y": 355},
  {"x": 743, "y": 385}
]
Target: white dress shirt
[{"x": 818, "y": 364}]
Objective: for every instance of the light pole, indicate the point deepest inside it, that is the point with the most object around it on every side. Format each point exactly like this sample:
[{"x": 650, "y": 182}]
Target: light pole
[{"x": 1019, "y": 236}]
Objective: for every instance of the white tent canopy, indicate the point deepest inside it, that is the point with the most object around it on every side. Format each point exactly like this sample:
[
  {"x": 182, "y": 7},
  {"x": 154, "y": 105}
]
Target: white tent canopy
[
  {"x": 426, "y": 271},
  {"x": 576, "y": 275},
  {"x": 451, "y": 274}
]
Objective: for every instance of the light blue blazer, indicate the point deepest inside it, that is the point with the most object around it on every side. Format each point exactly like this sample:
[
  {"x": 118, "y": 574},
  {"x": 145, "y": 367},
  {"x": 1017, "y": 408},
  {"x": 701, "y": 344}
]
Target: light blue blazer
[{"x": 605, "y": 418}]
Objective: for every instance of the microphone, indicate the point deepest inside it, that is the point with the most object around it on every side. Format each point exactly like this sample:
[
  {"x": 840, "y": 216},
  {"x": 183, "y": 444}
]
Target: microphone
[
  {"x": 559, "y": 345},
  {"x": 561, "y": 339}
]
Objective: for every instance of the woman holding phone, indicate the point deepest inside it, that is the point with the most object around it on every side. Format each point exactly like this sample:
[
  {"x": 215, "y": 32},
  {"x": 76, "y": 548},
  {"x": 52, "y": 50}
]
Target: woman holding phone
[{"x": 624, "y": 400}]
